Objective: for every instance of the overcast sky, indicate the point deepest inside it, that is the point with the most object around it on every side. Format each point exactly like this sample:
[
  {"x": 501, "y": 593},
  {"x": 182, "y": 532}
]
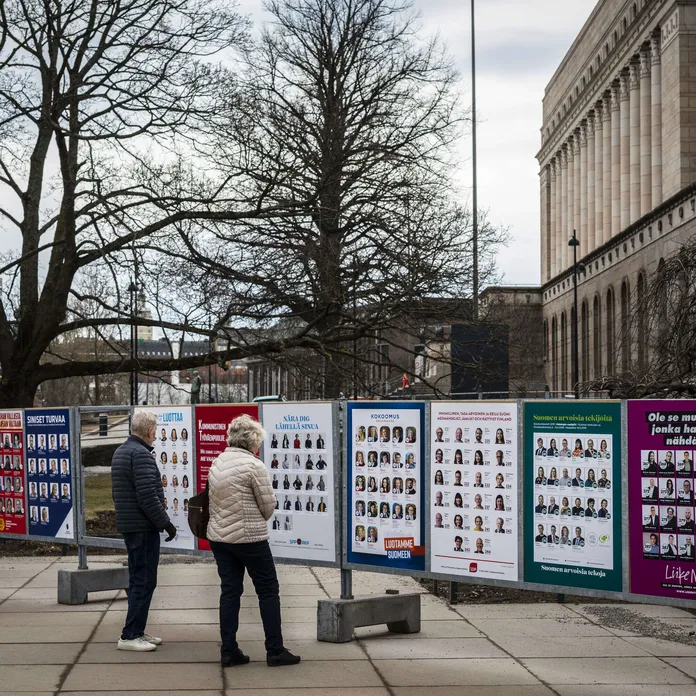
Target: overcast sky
[{"x": 519, "y": 46}]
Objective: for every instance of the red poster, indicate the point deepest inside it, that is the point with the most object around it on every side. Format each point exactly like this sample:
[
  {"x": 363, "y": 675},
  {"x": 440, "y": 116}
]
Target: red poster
[
  {"x": 211, "y": 438},
  {"x": 13, "y": 515}
]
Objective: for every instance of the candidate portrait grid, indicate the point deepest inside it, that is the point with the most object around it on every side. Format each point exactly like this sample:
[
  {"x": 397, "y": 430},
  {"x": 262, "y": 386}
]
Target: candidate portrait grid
[
  {"x": 667, "y": 490},
  {"x": 11, "y": 475},
  {"x": 572, "y": 489},
  {"x": 48, "y": 475},
  {"x": 172, "y": 453},
  {"x": 473, "y": 490},
  {"x": 300, "y": 475},
  {"x": 386, "y": 484}
]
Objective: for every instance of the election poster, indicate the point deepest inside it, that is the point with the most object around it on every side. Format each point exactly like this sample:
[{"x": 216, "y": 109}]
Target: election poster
[
  {"x": 386, "y": 498},
  {"x": 49, "y": 472},
  {"x": 174, "y": 456},
  {"x": 13, "y": 519},
  {"x": 301, "y": 460},
  {"x": 212, "y": 421},
  {"x": 572, "y": 493},
  {"x": 661, "y": 450},
  {"x": 473, "y": 491}
]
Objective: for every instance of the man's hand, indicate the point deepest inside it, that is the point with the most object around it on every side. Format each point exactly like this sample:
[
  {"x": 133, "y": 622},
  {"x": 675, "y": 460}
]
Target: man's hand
[{"x": 171, "y": 531}]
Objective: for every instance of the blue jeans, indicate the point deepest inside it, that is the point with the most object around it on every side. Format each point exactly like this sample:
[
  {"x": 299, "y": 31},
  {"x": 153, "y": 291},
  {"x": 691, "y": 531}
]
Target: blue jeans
[
  {"x": 256, "y": 558},
  {"x": 143, "y": 559}
]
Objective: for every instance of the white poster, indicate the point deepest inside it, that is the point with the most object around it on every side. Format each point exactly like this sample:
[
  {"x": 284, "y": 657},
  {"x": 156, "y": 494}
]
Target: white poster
[
  {"x": 474, "y": 510},
  {"x": 572, "y": 499},
  {"x": 386, "y": 482},
  {"x": 174, "y": 455},
  {"x": 300, "y": 456}
]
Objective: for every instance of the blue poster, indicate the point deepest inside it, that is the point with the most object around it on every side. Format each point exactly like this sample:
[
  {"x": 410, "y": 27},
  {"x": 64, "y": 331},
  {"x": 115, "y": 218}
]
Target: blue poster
[
  {"x": 49, "y": 468},
  {"x": 386, "y": 492}
]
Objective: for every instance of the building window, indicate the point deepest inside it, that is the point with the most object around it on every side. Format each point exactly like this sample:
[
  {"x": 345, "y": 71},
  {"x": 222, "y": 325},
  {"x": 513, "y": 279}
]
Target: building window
[
  {"x": 640, "y": 310},
  {"x": 625, "y": 327},
  {"x": 585, "y": 342},
  {"x": 611, "y": 326},
  {"x": 546, "y": 340},
  {"x": 564, "y": 353},
  {"x": 554, "y": 355},
  {"x": 597, "y": 337}
]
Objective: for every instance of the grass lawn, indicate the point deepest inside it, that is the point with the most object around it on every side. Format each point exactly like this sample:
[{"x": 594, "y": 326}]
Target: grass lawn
[{"x": 98, "y": 494}]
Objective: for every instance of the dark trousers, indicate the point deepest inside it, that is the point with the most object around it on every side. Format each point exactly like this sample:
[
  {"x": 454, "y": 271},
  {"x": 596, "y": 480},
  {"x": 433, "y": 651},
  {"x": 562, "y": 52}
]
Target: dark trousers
[
  {"x": 256, "y": 558},
  {"x": 143, "y": 559}
]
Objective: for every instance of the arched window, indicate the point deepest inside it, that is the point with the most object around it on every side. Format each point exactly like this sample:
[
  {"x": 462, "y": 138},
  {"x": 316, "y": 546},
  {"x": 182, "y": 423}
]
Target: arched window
[
  {"x": 625, "y": 327},
  {"x": 635, "y": 10},
  {"x": 585, "y": 343},
  {"x": 597, "y": 336},
  {"x": 564, "y": 353},
  {"x": 611, "y": 331},
  {"x": 546, "y": 340},
  {"x": 554, "y": 354},
  {"x": 640, "y": 312}
]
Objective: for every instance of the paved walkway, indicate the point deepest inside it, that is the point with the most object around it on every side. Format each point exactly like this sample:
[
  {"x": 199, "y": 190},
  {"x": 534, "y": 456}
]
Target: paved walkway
[{"x": 516, "y": 650}]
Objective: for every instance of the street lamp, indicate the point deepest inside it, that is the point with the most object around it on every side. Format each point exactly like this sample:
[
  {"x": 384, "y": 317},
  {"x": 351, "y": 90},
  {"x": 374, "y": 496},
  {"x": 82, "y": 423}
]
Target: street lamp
[
  {"x": 577, "y": 268},
  {"x": 133, "y": 292}
]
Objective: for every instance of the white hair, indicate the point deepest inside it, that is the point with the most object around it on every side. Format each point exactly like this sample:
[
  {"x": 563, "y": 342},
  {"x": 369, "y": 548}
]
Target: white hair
[
  {"x": 142, "y": 421},
  {"x": 246, "y": 433}
]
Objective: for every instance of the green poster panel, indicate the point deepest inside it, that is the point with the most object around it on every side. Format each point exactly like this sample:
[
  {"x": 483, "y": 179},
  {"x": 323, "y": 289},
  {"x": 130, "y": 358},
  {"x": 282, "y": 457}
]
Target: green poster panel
[{"x": 572, "y": 494}]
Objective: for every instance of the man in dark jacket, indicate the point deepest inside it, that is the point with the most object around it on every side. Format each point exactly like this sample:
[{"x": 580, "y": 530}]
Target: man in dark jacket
[{"x": 136, "y": 487}]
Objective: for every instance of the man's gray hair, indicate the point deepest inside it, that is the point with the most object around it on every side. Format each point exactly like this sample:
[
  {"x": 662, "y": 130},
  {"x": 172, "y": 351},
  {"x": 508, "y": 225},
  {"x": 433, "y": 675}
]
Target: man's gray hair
[
  {"x": 142, "y": 421},
  {"x": 246, "y": 433}
]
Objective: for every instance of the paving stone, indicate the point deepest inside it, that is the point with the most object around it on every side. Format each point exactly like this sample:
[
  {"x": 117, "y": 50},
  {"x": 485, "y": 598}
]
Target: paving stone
[
  {"x": 626, "y": 690},
  {"x": 429, "y": 629},
  {"x": 431, "y": 648},
  {"x": 38, "y": 634},
  {"x": 654, "y": 611},
  {"x": 517, "y": 690},
  {"x": 50, "y": 619},
  {"x": 170, "y": 632},
  {"x": 51, "y": 593},
  {"x": 10, "y": 606},
  {"x": 19, "y": 679},
  {"x": 39, "y": 653},
  {"x": 579, "y": 647},
  {"x": 328, "y": 674},
  {"x": 685, "y": 664},
  {"x": 662, "y": 648},
  {"x": 141, "y": 677},
  {"x": 539, "y": 628},
  {"x": 307, "y": 691},
  {"x": 474, "y": 672},
  {"x": 610, "y": 670},
  {"x": 513, "y": 611}
]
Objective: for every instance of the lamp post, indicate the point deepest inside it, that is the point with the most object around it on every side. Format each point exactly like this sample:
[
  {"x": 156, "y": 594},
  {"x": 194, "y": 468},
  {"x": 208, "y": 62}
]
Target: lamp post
[
  {"x": 577, "y": 268},
  {"x": 133, "y": 292},
  {"x": 474, "y": 165}
]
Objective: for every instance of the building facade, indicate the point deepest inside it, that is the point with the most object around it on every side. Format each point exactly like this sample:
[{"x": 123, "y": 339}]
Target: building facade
[{"x": 617, "y": 170}]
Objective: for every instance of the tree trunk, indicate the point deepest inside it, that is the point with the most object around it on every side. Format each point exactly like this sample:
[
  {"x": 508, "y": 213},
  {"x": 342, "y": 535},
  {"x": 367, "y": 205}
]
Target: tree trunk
[{"x": 17, "y": 389}]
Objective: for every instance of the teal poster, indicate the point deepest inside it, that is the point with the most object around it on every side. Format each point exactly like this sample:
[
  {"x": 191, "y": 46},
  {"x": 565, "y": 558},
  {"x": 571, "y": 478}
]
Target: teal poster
[{"x": 572, "y": 494}]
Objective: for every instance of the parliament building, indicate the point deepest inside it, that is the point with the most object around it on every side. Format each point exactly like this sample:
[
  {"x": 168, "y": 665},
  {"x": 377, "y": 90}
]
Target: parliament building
[{"x": 618, "y": 171}]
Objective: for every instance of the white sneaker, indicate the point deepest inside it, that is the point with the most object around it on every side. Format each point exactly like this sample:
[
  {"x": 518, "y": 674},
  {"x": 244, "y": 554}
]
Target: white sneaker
[
  {"x": 152, "y": 639},
  {"x": 136, "y": 645}
]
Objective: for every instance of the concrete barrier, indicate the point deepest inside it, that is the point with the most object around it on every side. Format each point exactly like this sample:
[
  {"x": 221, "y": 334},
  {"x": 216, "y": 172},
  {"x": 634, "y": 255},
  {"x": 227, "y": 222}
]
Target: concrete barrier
[
  {"x": 337, "y": 619},
  {"x": 75, "y": 585}
]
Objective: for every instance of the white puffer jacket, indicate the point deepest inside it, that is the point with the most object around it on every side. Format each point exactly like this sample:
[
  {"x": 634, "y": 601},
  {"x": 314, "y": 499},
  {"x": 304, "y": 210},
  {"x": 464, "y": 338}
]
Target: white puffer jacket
[{"x": 241, "y": 498}]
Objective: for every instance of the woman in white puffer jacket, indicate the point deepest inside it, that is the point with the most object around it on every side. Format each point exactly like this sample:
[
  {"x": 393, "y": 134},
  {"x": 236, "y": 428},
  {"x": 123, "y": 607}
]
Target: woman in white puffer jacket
[{"x": 241, "y": 503}]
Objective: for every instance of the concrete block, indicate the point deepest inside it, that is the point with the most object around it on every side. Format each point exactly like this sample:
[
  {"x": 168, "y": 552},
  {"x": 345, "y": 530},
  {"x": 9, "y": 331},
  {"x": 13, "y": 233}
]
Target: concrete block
[
  {"x": 337, "y": 619},
  {"x": 75, "y": 585}
]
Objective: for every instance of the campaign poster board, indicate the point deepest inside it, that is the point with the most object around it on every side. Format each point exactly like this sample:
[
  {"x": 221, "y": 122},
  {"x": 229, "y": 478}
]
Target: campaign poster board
[
  {"x": 385, "y": 490},
  {"x": 661, "y": 450},
  {"x": 474, "y": 489},
  {"x": 572, "y": 494},
  {"x": 13, "y": 513},
  {"x": 299, "y": 453},
  {"x": 174, "y": 456},
  {"x": 212, "y": 421},
  {"x": 49, "y": 462}
]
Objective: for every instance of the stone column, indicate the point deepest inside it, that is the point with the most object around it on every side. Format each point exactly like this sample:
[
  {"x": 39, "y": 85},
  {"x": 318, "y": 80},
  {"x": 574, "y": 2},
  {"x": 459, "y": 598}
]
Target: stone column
[
  {"x": 607, "y": 166},
  {"x": 615, "y": 161},
  {"x": 582, "y": 232},
  {"x": 545, "y": 217},
  {"x": 550, "y": 266},
  {"x": 656, "y": 97},
  {"x": 560, "y": 207},
  {"x": 645, "y": 134},
  {"x": 570, "y": 150},
  {"x": 599, "y": 175},
  {"x": 577, "y": 173},
  {"x": 625, "y": 148},
  {"x": 565, "y": 209},
  {"x": 634, "y": 135},
  {"x": 590, "y": 185}
]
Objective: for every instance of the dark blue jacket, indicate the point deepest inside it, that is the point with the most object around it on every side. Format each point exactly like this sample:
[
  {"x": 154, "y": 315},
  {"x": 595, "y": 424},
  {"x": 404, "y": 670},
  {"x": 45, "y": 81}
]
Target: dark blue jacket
[{"x": 136, "y": 488}]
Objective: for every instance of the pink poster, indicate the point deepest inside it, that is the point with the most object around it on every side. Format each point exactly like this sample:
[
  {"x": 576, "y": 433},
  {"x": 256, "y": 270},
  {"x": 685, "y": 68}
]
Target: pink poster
[{"x": 661, "y": 448}]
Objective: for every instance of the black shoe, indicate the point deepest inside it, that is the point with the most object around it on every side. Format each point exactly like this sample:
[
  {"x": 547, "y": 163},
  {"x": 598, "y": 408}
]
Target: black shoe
[
  {"x": 233, "y": 660},
  {"x": 284, "y": 659}
]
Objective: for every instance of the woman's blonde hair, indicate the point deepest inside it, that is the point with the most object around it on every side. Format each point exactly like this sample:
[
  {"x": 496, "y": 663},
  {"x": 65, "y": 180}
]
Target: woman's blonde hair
[{"x": 246, "y": 433}]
